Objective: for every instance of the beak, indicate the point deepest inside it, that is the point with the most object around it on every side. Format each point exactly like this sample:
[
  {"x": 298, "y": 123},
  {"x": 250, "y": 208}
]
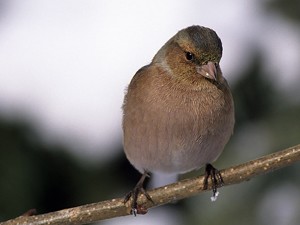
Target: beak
[{"x": 208, "y": 70}]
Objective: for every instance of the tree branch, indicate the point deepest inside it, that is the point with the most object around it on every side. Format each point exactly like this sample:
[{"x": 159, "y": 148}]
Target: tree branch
[{"x": 163, "y": 195}]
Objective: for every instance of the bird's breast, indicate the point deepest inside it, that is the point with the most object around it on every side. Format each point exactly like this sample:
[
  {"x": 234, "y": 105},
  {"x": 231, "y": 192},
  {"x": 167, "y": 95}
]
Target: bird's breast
[{"x": 172, "y": 129}]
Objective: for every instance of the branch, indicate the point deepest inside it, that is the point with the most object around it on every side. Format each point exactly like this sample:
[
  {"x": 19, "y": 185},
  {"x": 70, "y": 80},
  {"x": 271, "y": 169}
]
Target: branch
[{"x": 163, "y": 195}]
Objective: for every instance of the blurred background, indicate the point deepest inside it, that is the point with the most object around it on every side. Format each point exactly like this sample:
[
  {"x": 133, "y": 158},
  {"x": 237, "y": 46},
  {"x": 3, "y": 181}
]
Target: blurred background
[{"x": 64, "y": 67}]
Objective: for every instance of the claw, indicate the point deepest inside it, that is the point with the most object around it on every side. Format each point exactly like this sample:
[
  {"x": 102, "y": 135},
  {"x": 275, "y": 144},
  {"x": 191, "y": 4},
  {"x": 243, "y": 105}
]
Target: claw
[
  {"x": 216, "y": 179},
  {"x": 138, "y": 189}
]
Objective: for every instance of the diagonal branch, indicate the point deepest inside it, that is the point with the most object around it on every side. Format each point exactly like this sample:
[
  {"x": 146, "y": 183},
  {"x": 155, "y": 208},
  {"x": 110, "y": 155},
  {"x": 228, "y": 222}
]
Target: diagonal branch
[{"x": 163, "y": 195}]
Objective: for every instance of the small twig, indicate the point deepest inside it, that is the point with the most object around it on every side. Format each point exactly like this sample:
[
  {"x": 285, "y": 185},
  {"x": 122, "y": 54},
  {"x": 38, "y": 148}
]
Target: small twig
[{"x": 163, "y": 195}]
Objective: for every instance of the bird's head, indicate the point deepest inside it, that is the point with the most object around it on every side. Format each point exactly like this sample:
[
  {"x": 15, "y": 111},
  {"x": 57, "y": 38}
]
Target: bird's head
[{"x": 192, "y": 55}]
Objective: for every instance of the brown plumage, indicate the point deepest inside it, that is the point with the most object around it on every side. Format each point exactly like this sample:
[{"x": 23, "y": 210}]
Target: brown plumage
[{"x": 178, "y": 110}]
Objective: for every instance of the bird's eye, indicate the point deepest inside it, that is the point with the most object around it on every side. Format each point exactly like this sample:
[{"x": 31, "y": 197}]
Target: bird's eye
[{"x": 189, "y": 56}]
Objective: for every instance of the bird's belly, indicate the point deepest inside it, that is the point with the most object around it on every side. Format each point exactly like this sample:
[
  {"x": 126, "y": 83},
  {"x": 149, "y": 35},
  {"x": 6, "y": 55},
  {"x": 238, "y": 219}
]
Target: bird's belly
[
  {"x": 172, "y": 145},
  {"x": 174, "y": 132}
]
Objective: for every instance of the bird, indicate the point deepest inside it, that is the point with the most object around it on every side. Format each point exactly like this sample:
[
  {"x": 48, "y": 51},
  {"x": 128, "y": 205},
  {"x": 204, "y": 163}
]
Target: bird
[{"x": 178, "y": 111}]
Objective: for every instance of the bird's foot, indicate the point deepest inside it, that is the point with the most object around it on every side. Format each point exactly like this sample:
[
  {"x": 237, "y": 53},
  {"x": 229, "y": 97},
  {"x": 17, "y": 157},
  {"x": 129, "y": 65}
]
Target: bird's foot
[
  {"x": 216, "y": 180},
  {"x": 138, "y": 189}
]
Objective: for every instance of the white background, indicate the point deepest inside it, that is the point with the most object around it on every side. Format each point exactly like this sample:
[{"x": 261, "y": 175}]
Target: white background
[{"x": 64, "y": 65}]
